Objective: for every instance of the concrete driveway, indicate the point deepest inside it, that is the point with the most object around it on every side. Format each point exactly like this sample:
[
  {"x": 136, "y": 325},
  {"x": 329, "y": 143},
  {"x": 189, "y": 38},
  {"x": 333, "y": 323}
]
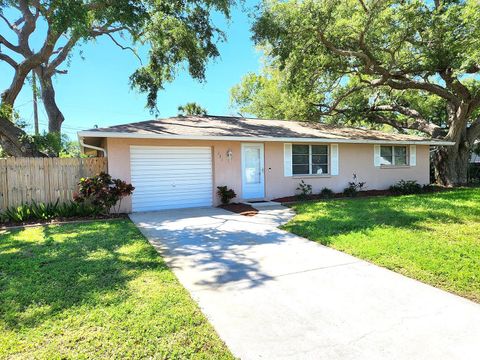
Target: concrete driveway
[{"x": 273, "y": 295}]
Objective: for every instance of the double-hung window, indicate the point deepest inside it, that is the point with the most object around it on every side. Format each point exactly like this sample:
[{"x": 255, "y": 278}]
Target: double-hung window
[
  {"x": 309, "y": 159},
  {"x": 393, "y": 155}
]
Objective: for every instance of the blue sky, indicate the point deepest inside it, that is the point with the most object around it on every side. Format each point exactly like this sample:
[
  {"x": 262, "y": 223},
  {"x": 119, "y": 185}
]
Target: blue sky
[{"x": 96, "y": 89}]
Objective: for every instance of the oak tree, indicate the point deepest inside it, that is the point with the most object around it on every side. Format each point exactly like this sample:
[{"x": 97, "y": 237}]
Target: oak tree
[
  {"x": 411, "y": 64},
  {"x": 177, "y": 33}
]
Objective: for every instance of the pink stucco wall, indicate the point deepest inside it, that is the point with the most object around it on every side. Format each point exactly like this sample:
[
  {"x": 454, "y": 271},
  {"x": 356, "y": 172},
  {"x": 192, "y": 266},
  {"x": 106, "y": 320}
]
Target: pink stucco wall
[{"x": 353, "y": 158}]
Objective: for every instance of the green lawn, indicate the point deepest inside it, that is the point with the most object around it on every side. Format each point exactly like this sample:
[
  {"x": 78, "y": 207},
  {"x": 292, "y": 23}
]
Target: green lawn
[
  {"x": 95, "y": 290},
  {"x": 434, "y": 238}
]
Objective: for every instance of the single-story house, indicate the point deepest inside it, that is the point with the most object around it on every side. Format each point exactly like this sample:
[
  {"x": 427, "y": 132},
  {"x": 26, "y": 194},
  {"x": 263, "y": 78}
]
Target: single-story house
[{"x": 179, "y": 162}]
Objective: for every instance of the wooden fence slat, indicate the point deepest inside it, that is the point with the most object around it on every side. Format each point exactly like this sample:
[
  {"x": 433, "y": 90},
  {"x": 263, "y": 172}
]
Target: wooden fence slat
[{"x": 23, "y": 180}]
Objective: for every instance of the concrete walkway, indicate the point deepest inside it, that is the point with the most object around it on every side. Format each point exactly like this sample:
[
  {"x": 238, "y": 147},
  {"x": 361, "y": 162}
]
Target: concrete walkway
[{"x": 273, "y": 295}]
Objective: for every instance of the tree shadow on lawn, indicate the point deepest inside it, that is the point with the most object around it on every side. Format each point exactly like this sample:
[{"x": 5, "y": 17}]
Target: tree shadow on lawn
[
  {"x": 74, "y": 265},
  {"x": 323, "y": 221}
]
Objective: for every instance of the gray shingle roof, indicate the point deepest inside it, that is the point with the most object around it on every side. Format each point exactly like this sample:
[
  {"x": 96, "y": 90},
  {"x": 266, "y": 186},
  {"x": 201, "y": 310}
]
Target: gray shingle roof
[{"x": 238, "y": 127}]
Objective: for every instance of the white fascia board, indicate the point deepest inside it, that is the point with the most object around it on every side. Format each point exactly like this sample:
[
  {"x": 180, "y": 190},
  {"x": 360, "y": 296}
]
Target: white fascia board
[{"x": 124, "y": 135}]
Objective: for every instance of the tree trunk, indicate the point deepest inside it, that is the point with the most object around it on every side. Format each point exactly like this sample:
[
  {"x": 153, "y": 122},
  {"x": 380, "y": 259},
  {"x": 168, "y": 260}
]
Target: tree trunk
[
  {"x": 15, "y": 142},
  {"x": 451, "y": 164},
  {"x": 55, "y": 116}
]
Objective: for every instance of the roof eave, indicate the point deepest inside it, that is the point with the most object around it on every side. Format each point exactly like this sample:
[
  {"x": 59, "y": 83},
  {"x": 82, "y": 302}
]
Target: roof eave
[{"x": 111, "y": 134}]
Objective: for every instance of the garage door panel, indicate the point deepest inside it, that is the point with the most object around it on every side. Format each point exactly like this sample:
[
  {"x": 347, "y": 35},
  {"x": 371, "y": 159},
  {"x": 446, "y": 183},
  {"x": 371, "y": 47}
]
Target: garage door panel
[
  {"x": 170, "y": 177},
  {"x": 170, "y": 173},
  {"x": 160, "y": 196}
]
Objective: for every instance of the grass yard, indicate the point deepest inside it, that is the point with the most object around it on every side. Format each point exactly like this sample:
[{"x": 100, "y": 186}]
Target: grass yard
[
  {"x": 434, "y": 238},
  {"x": 95, "y": 290}
]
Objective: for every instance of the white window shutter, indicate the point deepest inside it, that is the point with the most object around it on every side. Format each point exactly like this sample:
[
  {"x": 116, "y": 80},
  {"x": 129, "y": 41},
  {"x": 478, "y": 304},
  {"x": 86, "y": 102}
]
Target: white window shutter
[
  {"x": 334, "y": 159},
  {"x": 413, "y": 155},
  {"x": 377, "y": 160},
  {"x": 287, "y": 159}
]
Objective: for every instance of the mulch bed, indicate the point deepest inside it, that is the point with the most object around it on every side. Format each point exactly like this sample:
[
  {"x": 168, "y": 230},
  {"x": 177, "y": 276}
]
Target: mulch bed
[
  {"x": 240, "y": 208},
  {"x": 12, "y": 225},
  {"x": 360, "y": 194}
]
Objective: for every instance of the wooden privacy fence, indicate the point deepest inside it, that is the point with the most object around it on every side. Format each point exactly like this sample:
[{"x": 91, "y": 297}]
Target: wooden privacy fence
[{"x": 44, "y": 179}]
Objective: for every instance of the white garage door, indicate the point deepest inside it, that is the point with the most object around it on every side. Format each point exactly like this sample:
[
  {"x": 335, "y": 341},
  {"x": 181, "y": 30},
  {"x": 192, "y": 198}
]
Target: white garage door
[{"x": 170, "y": 177}]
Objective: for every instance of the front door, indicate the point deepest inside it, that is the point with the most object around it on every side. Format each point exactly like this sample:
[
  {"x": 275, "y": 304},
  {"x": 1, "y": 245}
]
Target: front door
[{"x": 253, "y": 180}]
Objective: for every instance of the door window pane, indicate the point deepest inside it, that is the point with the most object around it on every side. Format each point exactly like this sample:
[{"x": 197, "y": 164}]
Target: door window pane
[{"x": 252, "y": 165}]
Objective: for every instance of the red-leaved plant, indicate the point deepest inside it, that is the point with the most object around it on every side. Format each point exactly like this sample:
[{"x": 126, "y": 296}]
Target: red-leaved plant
[{"x": 102, "y": 191}]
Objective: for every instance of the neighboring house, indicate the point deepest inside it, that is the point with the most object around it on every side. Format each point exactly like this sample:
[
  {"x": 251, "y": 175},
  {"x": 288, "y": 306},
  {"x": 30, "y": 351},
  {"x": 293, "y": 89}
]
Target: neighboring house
[{"x": 179, "y": 162}]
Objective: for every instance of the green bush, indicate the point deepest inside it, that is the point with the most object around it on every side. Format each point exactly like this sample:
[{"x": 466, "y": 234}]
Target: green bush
[
  {"x": 405, "y": 187},
  {"x": 225, "y": 194},
  {"x": 354, "y": 187},
  {"x": 304, "y": 190},
  {"x": 326, "y": 193},
  {"x": 43, "y": 212},
  {"x": 102, "y": 191}
]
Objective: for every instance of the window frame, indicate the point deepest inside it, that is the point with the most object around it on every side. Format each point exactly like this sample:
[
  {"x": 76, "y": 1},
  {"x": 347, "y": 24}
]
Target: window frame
[
  {"x": 392, "y": 147},
  {"x": 310, "y": 162}
]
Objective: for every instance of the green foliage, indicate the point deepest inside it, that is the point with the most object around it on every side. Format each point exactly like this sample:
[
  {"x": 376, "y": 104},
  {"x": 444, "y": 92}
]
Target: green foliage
[
  {"x": 268, "y": 96},
  {"x": 38, "y": 211},
  {"x": 304, "y": 190},
  {"x": 56, "y": 145},
  {"x": 226, "y": 194},
  {"x": 370, "y": 61},
  {"x": 354, "y": 187},
  {"x": 326, "y": 193},
  {"x": 191, "y": 108},
  {"x": 178, "y": 34},
  {"x": 405, "y": 187},
  {"x": 102, "y": 191},
  {"x": 430, "y": 237}
]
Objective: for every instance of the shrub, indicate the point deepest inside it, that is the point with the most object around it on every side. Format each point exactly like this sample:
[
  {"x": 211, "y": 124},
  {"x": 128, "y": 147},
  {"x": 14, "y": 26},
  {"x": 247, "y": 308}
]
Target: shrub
[
  {"x": 326, "y": 193},
  {"x": 354, "y": 187},
  {"x": 42, "y": 212},
  {"x": 225, "y": 194},
  {"x": 405, "y": 187},
  {"x": 102, "y": 191},
  {"x": 304, "y": 190}
]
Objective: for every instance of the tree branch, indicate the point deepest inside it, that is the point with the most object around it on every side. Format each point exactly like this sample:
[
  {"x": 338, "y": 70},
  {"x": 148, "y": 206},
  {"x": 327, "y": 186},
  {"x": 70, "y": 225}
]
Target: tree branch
[
  {"x": 125, "y": 47},
  {"x": 396, "y": 80},
  {"x": 455, "y": 84},
  {"x": 62, "y": 55},
  {"x": 13, "y": 26},
  {"x": 8, "y": 60},
  {"x": 8, "y": 44},
  {"x": 419, "y": 123}
]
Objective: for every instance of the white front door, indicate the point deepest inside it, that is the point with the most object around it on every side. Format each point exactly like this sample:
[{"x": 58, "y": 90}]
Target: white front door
[{"x": 253, "y": 180}]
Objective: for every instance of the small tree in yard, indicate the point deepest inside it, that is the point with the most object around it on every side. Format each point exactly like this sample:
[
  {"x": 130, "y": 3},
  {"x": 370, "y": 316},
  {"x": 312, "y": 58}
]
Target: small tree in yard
[
  {"x": 412, "y": 65},
  {"x": 103, "y": 192}
]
